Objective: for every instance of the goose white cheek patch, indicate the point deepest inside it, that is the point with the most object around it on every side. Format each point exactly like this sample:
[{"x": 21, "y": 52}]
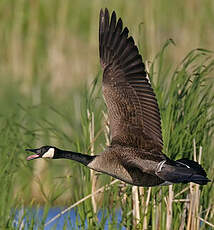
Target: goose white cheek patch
[{"x": 49, "y": 153}]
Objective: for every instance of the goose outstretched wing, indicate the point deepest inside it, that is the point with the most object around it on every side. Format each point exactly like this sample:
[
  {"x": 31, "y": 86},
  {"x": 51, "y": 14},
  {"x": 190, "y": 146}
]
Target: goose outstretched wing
[{"x": 132, "y": 106}]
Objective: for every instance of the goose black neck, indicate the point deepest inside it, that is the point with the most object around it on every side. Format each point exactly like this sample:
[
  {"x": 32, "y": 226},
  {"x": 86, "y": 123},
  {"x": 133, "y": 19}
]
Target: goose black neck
[{"x": 82, "y": 158}]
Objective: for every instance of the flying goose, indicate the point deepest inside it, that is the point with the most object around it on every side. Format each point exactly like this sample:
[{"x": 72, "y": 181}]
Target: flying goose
[{"x": 135, "y": 154}]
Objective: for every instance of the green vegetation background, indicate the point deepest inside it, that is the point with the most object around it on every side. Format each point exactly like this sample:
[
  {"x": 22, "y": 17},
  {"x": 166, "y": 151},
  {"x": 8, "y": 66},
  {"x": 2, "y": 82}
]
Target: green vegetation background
[{"x": 50, "y": 78}]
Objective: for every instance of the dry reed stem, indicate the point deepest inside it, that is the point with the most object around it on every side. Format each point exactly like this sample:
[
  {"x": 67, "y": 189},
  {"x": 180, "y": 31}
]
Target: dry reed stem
[
  {"x": 159, "y": 207},
  {"x": 189, "y": 219},
  {"x": 197, "y": 194},
  {"x": 208, "y": 210},
  {"x": 136, "y": 207},
  {"x": 190, "y": 208},
  {"x": 212, "y": 213},
  {"x": 154, "y": 214},
  {"x": 95, "y": 138},
  {"x": 93, "y": 176},
  {"x": 169, "y": 209},
  {"x": 106, "y": 187},
  {"x": 193, "y": 222},
  {"x": 142, "y": 195},
  {"x": 142, "y": 198},
  {"x": 145, "y": 224},
  {"x": 182, "y": 191},
  {"x": 181, "y": 200},
  {"x": 205, "y": 221},
  {"x": 183, "y": 216},
  {"x": 107, "y": 129}
]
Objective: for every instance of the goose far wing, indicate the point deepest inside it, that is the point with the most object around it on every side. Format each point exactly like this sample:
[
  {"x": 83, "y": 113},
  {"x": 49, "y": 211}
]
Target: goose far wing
[{"x": 132, "y": 106}]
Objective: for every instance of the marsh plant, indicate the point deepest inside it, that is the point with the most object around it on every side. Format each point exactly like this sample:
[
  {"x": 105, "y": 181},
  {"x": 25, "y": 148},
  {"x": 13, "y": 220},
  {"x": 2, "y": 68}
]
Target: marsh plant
[{"x": 44, "y": 100}]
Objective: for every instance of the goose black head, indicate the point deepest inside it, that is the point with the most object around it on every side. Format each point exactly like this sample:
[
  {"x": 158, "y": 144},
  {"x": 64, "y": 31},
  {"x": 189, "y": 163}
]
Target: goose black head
[{"x": 43, "y": 152}]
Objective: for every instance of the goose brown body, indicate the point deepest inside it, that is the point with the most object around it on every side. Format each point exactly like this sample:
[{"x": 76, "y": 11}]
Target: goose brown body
[
  {"x": 135, "y": 154},
  {"x": 129, "y": 164}
]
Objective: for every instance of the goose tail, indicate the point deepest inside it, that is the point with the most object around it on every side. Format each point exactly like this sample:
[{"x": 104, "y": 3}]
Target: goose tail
[
  {"x": 196, "y": 173},
  {"x": 182, "y": 171}
]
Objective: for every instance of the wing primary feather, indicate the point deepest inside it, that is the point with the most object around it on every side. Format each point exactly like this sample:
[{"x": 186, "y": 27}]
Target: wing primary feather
[
  {"x": 116, "y": 35},
  {"x": 111, "y": 29}
]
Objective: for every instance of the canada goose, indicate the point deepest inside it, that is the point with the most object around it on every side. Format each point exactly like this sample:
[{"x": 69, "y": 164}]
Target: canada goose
[{"x": 135, "y": 154}]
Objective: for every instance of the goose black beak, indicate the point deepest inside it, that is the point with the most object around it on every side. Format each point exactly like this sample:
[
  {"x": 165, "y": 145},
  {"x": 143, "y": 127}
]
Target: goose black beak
[{"x": 34, "y": 156}]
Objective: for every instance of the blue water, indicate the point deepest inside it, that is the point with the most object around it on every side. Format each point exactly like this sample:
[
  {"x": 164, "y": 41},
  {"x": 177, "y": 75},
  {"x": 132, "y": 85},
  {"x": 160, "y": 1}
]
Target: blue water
[{"x": 33, "y": 218}]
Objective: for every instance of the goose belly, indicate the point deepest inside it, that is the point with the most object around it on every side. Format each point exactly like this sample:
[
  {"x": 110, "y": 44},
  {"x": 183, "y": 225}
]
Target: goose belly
[{"x": 130, "y": 175}]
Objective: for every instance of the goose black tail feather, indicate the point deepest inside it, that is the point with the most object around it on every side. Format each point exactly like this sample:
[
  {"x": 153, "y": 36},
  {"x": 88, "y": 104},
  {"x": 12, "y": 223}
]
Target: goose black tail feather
[
  {"x": 198, "y": 174},
  {"x": 191, "y": 164},
  {"x": 183, "y": 171}
]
